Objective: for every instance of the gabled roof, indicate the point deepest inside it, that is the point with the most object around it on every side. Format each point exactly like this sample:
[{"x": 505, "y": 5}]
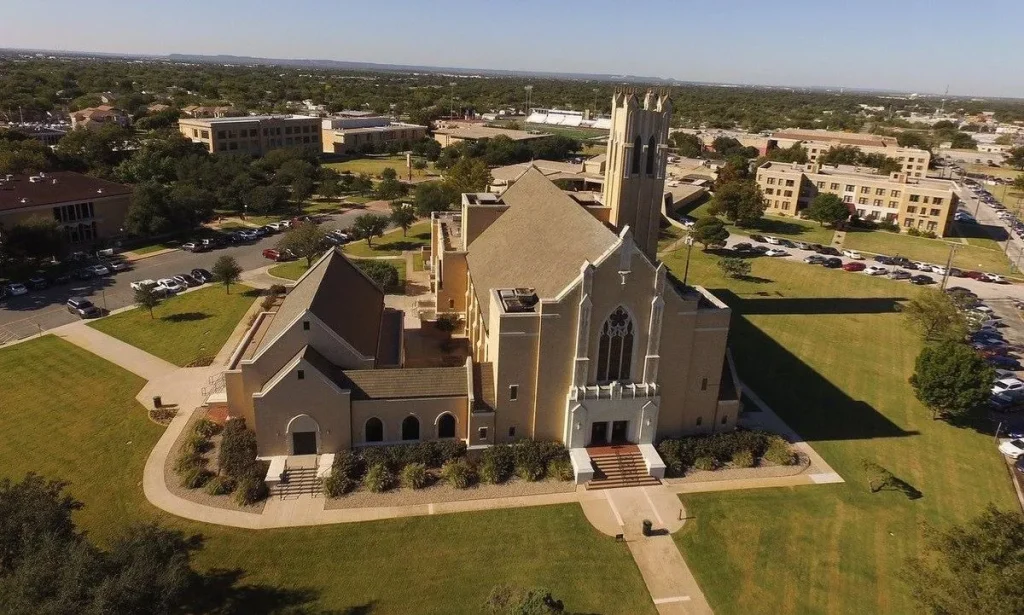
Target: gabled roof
[
  {"x": 340, "y": 295},
  {"x": 405, "y": 383},
  {"x": 540, "y": 242}
]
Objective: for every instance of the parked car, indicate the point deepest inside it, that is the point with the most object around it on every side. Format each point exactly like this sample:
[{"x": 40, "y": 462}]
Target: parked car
[
  {"x": 854, "y": 266},
  {"x": 801, "y": 245},
  {"x": 875, "y": 270},
  {"x": 1012, "y": 448},
  {"x": 899, "y": 274},
  {"x": 814, "y": 259},
  {"x": 829, "y": 251},
  {"x": 995, "y": 279},
  {"x": 1007, "y": 385},
  {"x": 816, "y": 247},
  {"x": 1005, "y": 403},
  {"x": 193, "y": 246},
  {"x": 956, "y": 273},
  {"x": 38, "y": 282},
  {"x": 832, "y": 263},
  {"x": 740, "y": 247},
  {"x": 855, "y": 255},
  {"x": 83, "y": 308},
  {"x": 202, "y": 275},
  {"x": 169, "y": 285},
  {"x": 960, "y": 290},
  {"x": 772, "y": 240},
  {"x": 922, "y": 280},
  {"x": 759, "y": 249},
  {"x": 211, "y": 243},
  {"x": 1004, "y": 362},
  {"x": 785, "y": 243},
  {"x": 278, "y": 255},
  {"x": 61, "y": 278},
  {"x": 775, "y": 252},
  {"x": 975, "y": 275},
  {"x": 885, "y": 260},
  {"x": 922, "y": 266},
  {"x": 902, "y": 261},
  {"x": 756, "y": 237},
  {"x": 140, "y": 284},
  {"x": 186, "y": 280},
  {"x": 98, "y": 270},
  {"x": 269, "y": 230},
  {"x": 936, "y": 269},
  {"x": 15, "y": 289},
  {"x": 83, "y": 273},
  {"x": 117, "y": 265}
]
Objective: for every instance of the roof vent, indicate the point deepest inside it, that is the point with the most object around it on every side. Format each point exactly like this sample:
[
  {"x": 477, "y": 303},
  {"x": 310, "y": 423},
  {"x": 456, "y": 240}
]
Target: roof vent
[
  {"x": 24, "y": 200},
  {"x": 53, "y": 181},
  {"x": 99, "y": 191},
  {"x": 41, "y": 174},
  {"x": 10, "y": 177},
  {"x": 34, "y": 179}
]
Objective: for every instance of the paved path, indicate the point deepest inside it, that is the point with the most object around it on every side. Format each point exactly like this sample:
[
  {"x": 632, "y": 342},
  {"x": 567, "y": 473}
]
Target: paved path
[{"x": 129, "y": 357}]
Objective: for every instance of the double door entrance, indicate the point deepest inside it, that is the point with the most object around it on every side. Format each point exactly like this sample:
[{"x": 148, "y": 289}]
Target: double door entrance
[{"x": 608, "y": 432}]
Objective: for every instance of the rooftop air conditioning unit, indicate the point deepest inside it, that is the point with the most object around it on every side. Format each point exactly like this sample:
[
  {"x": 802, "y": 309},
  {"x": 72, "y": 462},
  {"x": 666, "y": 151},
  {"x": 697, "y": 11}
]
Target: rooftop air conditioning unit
[
  {"x": 34, "y": 179},
  {"x": 99, "y": 191}
]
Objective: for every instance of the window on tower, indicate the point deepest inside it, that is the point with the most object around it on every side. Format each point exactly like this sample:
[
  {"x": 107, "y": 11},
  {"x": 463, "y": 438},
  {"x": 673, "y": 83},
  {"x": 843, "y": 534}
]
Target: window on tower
[
  {"x": 652, "y": 149},
  {"x": 638, "y": 145},
  {"x": 615, "y": 347}
]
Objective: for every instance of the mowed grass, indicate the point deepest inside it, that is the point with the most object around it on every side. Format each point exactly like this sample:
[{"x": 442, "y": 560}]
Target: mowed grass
[
  {"x": 791, "y": 228},
  {"x": 375, "y": 165},
  {"x": 392, "y": 243},
  {"x": 935, "y": 251},
  {"x": 293, "y": 271},
  {"x": 984, "y": 169},
  {"x": 68, "y": 414},
  {"x": 830, "y": 353},
  {"x": 184, "y": 328}
]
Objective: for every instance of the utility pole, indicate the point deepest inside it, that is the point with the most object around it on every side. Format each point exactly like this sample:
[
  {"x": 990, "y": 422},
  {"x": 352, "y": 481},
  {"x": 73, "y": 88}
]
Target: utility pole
[
  {"x": 949, "y": 264},
  {"x": 451, "y": 101},
  {"x": 529, "y": 91},
  {"x": 689, "y": 248}
]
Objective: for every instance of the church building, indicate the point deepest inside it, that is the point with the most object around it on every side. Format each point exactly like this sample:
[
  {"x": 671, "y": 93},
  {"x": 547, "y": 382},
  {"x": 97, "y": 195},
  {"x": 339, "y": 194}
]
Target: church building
[{"x": 571, "y": 329}]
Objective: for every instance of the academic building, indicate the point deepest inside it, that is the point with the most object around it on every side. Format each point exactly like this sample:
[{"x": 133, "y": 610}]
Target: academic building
[
  {"x": 915, "y": 161},
  {"x": 253, "y": 135},
  {"x": 925, "y": 204},
  {"x": 571, "y": 330},
  {"x": 352, "y": 132}
]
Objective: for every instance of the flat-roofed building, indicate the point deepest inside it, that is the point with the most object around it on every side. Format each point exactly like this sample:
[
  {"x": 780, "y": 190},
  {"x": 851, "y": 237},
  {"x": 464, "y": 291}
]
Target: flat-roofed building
[
  {"x": 452, "y": 133},
  {"x": 915, "y": 161},
  {"x": 925, "y": 204},
  {"x": 255, "y": 135},
  {"x": 347, "y": 133},
  {"x": 87, "y": 208}
]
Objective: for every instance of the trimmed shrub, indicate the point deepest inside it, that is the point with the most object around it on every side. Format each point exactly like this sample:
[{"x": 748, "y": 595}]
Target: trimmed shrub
[
  {"x": 743, "y": 459},
  {"x": 349, "y": 465},
  {"x": 560, "y": 469},
  {"x": 457, "y": 473},
  {"x": 338, "y": 484},
  {"x": 220, "y": 485},
  {"x": 195, "y": 478},
  {"x": 199, "y": 444},
  {"x": 705, "y": 463},
  {"x": 206, "y": 428},
  {"x": 267, "y": 303},
  {"x": 414, "y": 476},
  {"x": 780, "y": 453},
  {"x": 277, "y": 289},
  {"x": 497, "y": 464},
  {"x": 378, "y": 478},
  {"x": 250, "y": 490},
  {"x": 187, "y": 461},
  {"x": 237, "y": 456}
]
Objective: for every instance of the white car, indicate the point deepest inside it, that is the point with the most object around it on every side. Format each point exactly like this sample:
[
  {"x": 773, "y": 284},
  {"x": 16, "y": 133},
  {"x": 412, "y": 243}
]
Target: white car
[
  {"x": 169, "y": 285},
  {"x": 994, "y": 278},
  {"x": 99, "y": 270},
  {"x": 16, "y": 289},
  {"x": 1007, "y": 385},
  {"x": 855, "y": 255},
  {"x": 143, "y": 284},
  {"x": 938, "y": 270},
  {"x": 1004, "y": 373},
  {"x": 982, "y": 309},
  {"x": 772, "y": 240},
  {"x": 874, "y": 270},
  {"x": 922, "y": 266},
  {"x": 775, "y": 252},
  {"x": 1012, "y": 448},
  {"x": 275, "y": 225}
]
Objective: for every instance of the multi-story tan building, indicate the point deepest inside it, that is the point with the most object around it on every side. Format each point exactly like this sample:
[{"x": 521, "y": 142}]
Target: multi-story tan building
[
  {"x": 348, "y": 133},
  {"x": 925, "y": 204},
  {"x": 573, "y": 331},
  {"x": 915, "y": 161},
  {"x": 253, "y": 135},
  {"x": 87, "y": 208}
]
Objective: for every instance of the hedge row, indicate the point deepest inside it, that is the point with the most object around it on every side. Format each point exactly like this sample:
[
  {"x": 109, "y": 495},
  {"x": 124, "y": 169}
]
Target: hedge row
[{"x": 707, "y": 452}]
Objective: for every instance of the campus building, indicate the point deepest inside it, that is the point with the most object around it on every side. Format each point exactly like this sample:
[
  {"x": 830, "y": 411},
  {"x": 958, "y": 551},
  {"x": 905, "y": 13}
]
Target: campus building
[
  {"x": 94, "y": 118},
  {"x": 925, "y": 204},
  {"x": 87, "y": 208},
  {"x": 254, "y": 135},
  {"x": 451, "y": 133},
  {"x": 352, "y": 132},
  {"x": 915, "y": 161},
  {"x": 571, "y": 329}
]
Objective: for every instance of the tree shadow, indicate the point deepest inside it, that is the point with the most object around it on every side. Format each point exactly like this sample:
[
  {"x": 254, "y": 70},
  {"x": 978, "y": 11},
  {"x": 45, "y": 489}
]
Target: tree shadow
[
  {"x": 222, "y": 592},
  {"x": 754, "y": 279},
  {"x": 185, "y": 317},
  {"x": 252, "y": 292},
  {"x": 780, "y": 227}
]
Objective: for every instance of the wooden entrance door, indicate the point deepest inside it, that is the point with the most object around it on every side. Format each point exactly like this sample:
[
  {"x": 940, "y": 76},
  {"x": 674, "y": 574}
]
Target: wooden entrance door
[
  {"x": 619, "y": 431},
  {"x": 304, "y": 443},
  {"x": 599, "y": 433}
]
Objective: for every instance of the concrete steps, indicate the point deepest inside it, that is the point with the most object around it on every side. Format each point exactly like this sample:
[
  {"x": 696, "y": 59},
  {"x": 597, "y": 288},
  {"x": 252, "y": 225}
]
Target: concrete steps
[
  {"x": 622, "y": 469},
  {"x": 300, "y": 481}
]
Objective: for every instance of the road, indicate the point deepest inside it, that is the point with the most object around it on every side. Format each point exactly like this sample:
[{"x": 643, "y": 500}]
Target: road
[{"x": 39, "y": 311}]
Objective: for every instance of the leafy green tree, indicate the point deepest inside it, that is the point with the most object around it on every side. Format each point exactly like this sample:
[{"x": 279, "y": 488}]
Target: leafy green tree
[
  {"x": 146, "y": 298},
  {"x": 403, "y": 215},
  {"x": 388, "y": 189},
  {"x": 734, "y": 267},
  {"x": 305, "y": 240},
  {"x": 367, "y": 226},
  {"x": 329, "y": 188},
  {"x": 389, "y": 173},
  {"x": 36, "y": 237},
  {"x": 434, "y": 196},
  {"x": 841, "y": 154},
  {"x": 1015, "y": 157},
  {"x": 793, "y": 153},
  {"x": 913, "y": 139},
  {"x": 383, "y": 273},
  {"x": 686, "y": 145},
  {"x": 962, "y": 140},
  {"x": 21, "y": 155},
  {"x": 468, "y": 175},
  {"x": 1018, "y": 184},
  {"x": 710, "y": 231},
  {"x": 827, "y": 208},
  {"x": 266, "y": 199},
  {"x": 361, "y": 184},
  {"x": 740, "y": 202},
  {"x": 302, "y": 189},
  {"x": 729, "y": 147},
  {"x": 951, "y": 379},
  {"x": 227, "y": 271},
  {"x": 974, "y": 567},
  {"x": 936, "y": 315}
]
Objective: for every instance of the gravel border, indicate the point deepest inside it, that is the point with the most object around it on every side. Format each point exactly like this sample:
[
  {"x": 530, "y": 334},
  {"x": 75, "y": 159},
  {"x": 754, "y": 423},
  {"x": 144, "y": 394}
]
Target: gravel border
[
  {"x": 440, "y": 492},
  {"x": 730, "y": 473},
  {"x": 199, "y": 496}
]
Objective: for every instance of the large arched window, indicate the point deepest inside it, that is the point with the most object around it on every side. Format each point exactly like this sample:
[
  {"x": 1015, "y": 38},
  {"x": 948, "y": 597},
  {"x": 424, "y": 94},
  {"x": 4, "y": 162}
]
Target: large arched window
[
  {"x": 374, "y": 430},
  {"x": 615, "y": 347},
  {"x": 638, "y": 147},
  {"x": 446, "y": 426},
  {"x": 652, "y": 150},
  {"x": 411, "y": 428}
]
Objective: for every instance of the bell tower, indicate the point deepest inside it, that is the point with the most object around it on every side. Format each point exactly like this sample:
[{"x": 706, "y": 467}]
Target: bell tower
[{"x": 634, "y": 181}]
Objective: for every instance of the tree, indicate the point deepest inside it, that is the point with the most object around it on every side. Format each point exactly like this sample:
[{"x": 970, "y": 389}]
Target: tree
[
  {"x": 383, "y": 273},
  {"x": 403, "y": 215},
  {"x": 975, "y": 567},
  {"x": 36, "y": 237},
  {"x": 937, "y": 316},
  {"x": 793, "y": 153},
  {"x": 962, "y": 140},
  {"x": 146, "y": 298},
  {"x": 361, "y": 184},
  {"x": 434, "y": 196},
  {"x": 226, "y": 271},
  {"x": 827, "y": 208},
  {"x": 266, "y": 199},
  {"x": 367, "y": 226},
  {"x": 329, "y": 188},
  {"x": 302, "y": 189},
  {"x": 912, "y": 139},
  {"x": 841, "y": 154},
  {"x": 951, "y": 379},
  {"x": 1018, "y": 184},
  {"x": 305, "y": 240},
  {"x": 389, "y": 173},
  {"x": 687, "y": 145},
  {"x": 740, "y": 201},
  {"x": 1015, "y": 157},
  {"x": 734, "y": 267},
  {"x": 511, "y": 600},
  {"x": 389, "y": 189},
  {"x": 710, "y": 231},
  {"x": 735, "y": 170},
  {"x": 468, "y": 175}
]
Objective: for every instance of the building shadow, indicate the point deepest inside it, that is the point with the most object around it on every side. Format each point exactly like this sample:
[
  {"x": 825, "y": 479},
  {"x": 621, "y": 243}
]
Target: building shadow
[
  {"x": 982, "y": 231},
  {"x": 809, "y": 305}
]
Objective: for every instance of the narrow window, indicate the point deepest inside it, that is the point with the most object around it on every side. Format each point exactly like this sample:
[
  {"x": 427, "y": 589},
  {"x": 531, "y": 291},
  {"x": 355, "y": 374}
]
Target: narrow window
[
  {"x": 704, "y": 384},
  {"x": 513, "y": 392},
  {"x": 411, "y": 428},
  {"x": 446, "y": 426},
  {"x": 305, "y": 325},
  {"x": 374, "y": 430},
  {"x": 652, "y": 149},
  {"x": 725, "y": 419},
  {"x": 700, "y": 419},
  {"x": 302, "y": 374},
  {"x": 637, "y": 147},
  {"x": 482, "y": 433},
  {"x": 451, "y": 304},
  {"x": 512, "y": 432},
  {"x": 615, "y": 347}
]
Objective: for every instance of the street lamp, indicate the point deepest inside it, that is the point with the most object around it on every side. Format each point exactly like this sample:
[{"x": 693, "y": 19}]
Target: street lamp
[{"x": 688, "y": 240}]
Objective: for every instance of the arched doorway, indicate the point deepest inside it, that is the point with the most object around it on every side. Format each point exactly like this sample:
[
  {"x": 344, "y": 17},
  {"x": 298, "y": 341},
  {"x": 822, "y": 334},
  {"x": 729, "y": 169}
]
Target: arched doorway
[
  {"x": 446, "y": 426},
  {"x": 411, "y": 428},
  {"x": 374, "y": 430},
  {"x": 303, "y": 435}
]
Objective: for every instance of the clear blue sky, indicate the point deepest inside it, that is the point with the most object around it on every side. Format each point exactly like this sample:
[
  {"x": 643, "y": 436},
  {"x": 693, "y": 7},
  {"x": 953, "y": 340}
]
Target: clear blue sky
[{"x": 912, "y": 45}]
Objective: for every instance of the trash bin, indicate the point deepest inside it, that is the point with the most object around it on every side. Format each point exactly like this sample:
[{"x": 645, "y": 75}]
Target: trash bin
[
  {"x": 647, "y": 527},
  {"x": 157, "y": 401}
]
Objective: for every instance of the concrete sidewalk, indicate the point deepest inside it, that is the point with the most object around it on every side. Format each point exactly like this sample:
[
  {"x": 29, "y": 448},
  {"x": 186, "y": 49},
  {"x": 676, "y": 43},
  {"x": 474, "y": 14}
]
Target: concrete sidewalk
[{"x": 135, "y": 360}]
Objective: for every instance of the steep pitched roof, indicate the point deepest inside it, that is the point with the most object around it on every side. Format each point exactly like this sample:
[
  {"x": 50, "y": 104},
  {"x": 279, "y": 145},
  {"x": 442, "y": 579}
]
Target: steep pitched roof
[
  {"x": 340, "y": 295},
  {"x": 540, "y": 242}
]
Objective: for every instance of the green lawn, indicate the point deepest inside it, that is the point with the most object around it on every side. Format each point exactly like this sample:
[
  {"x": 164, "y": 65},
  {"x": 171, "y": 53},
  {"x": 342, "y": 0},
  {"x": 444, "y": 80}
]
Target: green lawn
[
  {"x": 792, "y": 228},
  {"x": 433, "y": 564},
  {"x": 984, "y": 169},
  {"x": 375, "y": 165},
  {"x": 830, "y": 353},
  {"x": 393, "y": 243},
  {"x": 293, "y": 271},
  {"x": 184, "y": 328},
  {"x": 969, "y": 257}
]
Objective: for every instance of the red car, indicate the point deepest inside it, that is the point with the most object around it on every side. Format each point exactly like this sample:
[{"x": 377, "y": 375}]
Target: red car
[
  {"x": 853, "y": 266},
  {"x": 278, "y": 255},
  {"x": 975, "y": 275}
]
